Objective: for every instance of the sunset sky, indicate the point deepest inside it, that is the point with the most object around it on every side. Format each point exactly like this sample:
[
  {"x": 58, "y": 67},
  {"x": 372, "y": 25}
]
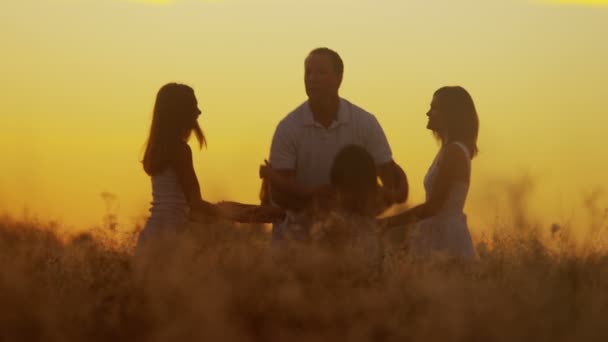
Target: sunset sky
[{"x": 79, "y": 79}]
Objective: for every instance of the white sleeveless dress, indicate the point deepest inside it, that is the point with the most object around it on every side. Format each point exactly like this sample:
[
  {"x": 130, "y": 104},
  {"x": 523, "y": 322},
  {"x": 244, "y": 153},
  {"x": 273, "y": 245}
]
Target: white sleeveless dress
[
  {"x": 447, "y": 230},
  {"x": 169, "y": 208}
]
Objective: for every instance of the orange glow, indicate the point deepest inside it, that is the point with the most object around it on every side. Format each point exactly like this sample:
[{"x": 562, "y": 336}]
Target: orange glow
[{"x": 79, "y": 80}]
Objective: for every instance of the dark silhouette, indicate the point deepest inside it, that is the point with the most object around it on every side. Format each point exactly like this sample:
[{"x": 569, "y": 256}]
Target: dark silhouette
[
  {"x": 453, "y": 119},
  {"x": 167, "y": 160},
  {"x": 354, "y": 177},
  {"x": 307, "y": 140},
  {"x": 266, "y": 212}
]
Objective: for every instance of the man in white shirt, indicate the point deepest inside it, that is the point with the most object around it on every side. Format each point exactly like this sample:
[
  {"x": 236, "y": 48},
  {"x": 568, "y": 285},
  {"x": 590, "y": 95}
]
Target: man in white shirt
[{"x": 307, "y": 140}]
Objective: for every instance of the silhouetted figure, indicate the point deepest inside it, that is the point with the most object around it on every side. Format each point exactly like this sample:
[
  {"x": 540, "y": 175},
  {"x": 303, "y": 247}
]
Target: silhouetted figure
[
  {"x": 348, "y": 218},
  {"x": 353, "y": 187},
  {"x": 354, "y": 178},
  {"x": 441, "y": 222},
  {"x": 307, "y": 140},
  {"x": 176, "y": 195}
]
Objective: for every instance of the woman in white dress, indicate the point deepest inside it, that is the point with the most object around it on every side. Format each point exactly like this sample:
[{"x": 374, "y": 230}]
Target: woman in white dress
[{"x": 441, "y": 225}]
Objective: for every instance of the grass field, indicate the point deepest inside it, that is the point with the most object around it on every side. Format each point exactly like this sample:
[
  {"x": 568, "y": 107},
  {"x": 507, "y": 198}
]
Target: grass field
[{"x": 226, "y": 283}]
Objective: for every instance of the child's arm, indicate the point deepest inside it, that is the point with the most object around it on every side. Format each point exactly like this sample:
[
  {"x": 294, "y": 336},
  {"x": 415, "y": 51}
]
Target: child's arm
[
  {"x": 189, "y": 183},
  {"x": 250, "y": 213}
]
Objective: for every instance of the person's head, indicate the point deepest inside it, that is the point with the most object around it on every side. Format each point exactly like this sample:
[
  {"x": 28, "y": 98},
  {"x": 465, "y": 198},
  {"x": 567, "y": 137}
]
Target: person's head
[
  {"x": 323, "y": 70},
  {"x": 173, "y": 121},
  {"x": 452, "y": 117},
  {"x": 354, "y": 176}
]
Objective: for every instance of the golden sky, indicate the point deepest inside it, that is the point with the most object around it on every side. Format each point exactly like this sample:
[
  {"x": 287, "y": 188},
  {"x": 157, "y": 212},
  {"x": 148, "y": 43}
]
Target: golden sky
[
  {"x": 80, "y": 76},
  {"x": 579, "y": 2}
]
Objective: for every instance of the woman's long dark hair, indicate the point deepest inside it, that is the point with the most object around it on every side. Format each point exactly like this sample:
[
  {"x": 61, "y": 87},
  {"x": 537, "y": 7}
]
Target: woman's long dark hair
[
  {"x": 173, "y": 121},
  {"x": 459, "y": 116}
]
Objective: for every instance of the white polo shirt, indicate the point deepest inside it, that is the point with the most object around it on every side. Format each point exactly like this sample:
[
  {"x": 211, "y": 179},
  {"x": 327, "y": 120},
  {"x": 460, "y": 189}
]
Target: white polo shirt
[{"x": 304, "y": 145}]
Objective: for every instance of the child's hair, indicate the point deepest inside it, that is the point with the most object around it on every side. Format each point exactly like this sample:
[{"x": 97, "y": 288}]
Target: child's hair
[
  {"x": 354, "y": 176},
  {"x": 173, "y": 120}
]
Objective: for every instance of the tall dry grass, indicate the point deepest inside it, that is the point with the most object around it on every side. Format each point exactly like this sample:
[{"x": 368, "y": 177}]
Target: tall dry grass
[{"x": 226, "y": 283}]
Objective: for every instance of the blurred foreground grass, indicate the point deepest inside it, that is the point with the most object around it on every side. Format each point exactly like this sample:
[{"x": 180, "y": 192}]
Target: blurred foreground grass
[{"x": 226, "y": 283}]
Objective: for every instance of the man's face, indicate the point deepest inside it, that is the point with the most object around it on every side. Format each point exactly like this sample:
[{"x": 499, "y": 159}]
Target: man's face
[{"x": 320, "y": 77}]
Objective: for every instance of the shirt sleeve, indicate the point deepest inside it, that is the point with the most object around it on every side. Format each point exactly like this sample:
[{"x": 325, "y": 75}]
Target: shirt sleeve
[
  {"x": 376, "y": 142},
  {"x": 282, "y": 149}
]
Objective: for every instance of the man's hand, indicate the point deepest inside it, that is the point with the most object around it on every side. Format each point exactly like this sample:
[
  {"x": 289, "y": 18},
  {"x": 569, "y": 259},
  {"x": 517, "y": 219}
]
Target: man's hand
[
  {"x": 395, "y": 188},
  {"x": 267, "y": 172}
]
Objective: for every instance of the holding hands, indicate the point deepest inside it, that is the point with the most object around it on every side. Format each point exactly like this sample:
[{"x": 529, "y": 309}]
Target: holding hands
[{"x": 249, "y": 213}]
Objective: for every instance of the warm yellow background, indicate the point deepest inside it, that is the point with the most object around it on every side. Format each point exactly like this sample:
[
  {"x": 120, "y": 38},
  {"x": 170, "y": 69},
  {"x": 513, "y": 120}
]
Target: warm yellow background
[
  {"x": 575, "y": 2},
  {"x": 78, "y": 80}
]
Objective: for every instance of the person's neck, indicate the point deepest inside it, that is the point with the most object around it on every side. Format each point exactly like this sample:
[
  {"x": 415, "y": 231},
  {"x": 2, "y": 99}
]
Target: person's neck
[
  {"x": 325, "y": 110},
  {"x": 444, "y": 139}
]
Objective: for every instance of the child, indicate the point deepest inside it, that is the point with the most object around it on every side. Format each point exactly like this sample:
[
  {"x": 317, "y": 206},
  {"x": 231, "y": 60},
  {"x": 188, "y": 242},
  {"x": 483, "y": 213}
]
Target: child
[
  {"x": 349, "y": 218},
  {"x": 176, "y": 195}
]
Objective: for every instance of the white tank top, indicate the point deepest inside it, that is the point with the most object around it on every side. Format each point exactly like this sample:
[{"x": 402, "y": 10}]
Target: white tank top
[{"x": 168, "y": 200}]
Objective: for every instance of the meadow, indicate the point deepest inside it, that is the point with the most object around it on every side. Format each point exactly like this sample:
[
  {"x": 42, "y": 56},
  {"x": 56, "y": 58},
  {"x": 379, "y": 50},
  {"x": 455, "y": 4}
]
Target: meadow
[{"x": 225, "y": 282}]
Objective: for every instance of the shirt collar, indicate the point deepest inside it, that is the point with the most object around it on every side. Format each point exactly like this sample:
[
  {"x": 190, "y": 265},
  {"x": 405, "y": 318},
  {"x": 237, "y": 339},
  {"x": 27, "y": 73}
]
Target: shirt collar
[{"x": 343, "y": 115}]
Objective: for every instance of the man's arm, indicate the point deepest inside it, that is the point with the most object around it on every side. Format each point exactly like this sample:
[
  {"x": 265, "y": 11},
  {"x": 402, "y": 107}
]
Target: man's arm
[
  {"x": 286, "y": 192},
  {"x": 279, "y": 189},
  {"x": 394, "y": 183}
]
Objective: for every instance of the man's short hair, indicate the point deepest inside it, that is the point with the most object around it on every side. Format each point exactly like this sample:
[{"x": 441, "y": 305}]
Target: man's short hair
[{"x": 333, "y": 55}]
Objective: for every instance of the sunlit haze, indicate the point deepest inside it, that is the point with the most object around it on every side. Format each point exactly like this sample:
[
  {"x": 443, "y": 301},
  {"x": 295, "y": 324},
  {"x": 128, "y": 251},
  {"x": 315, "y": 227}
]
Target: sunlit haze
[{"x": 80, "y": 78}]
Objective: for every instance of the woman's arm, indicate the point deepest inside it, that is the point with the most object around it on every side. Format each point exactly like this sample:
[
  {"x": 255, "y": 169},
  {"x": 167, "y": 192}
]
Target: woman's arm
[
  {"x": 452, "y": 166},
  {"x": 405, "y": 217}
]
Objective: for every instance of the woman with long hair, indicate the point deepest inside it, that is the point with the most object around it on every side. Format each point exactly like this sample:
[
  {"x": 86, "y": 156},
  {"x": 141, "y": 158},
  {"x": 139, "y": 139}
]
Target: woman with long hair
[{"x": 441, "y": 222}]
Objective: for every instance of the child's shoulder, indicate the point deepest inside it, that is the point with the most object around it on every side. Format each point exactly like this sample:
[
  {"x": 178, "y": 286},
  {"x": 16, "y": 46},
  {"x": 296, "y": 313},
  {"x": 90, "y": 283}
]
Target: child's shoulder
[
  {"x": 182, "y": 149},
  {"x": 182, "y": 155}
]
